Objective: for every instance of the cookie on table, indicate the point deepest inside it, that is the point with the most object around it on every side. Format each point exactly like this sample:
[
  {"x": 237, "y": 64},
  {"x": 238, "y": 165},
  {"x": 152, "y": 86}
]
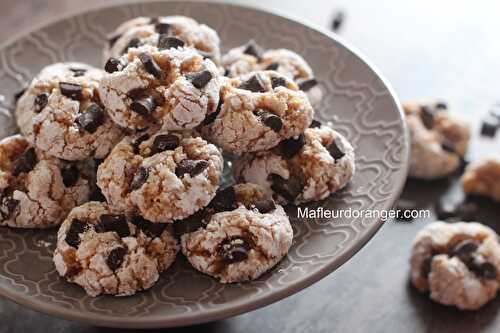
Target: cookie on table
[
  {"x": 174, "y": 30},
  {"x": 107, "y": 252},
  {"x": 256, "y": 112},
  {"x": 483, "y": 178},
  {"x": 309, "y": 167},
  {"x": 439, "y": 139},
  {"x": 457, "y": 264},
  {"x": 164, "y": 175},
  {"x": 238, "y": 237},
  {"x": 173, "y": 87},
  {"x": 36, "y": 190}
]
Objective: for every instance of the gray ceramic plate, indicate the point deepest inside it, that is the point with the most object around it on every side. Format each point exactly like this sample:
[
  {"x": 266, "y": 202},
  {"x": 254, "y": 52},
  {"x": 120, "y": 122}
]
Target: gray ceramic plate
[{"x": 356, "y": 99}]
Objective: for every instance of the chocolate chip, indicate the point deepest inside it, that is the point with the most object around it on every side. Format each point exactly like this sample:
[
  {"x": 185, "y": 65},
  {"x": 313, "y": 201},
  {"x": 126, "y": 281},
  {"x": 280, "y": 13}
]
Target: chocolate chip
[
  {"x": 149, "y": 228},
  {"x": 253, "y": 49},
  {"x": 464, "y": 248},
  {"x": 479, "y": 266},
  {"x": 151, "y": 66},
  {"x": 233, "y": 250},
  {"x": 115, "y": 223},
  {"x": 426, "y": 267},
  {"x": 136, "y": 144},
  {"x": 78, "y": 71},
  {"x": 272, "y": 67},
  {"x": 448, "y": 146},
  {"x": 278, "y": 82},
  {"x": 134, "y": 42},
  {"x": 164, "y": 142},
  {"x": 287, "y": 188},
  {"x": 112, "y": 38},
  {"x": 427, "y": 116},
  {"x": 336, "y": 149},
  {"x": 307, "y": 85},
  {"x": 71, "y": 90},
  {"x": 224, "y": 200},
  {"x": 210, "y": 118},
  {"x": 269, "y": 119},
  {"x": 18, "y": 94},
  {"x": 96, "y": 195},
  {"x": 40, "y": 102},
  {"x": 25, "y": 162},
  {"x": 91, "y": 119},
  {"x": 112, "y": 65},
  {"x": 199, "y": 79},
  {"x": 265, "y": 206},
  {"x": 116, "y": 257},
  {"x": 143, "y": 106},
  {"x": 194, "y": 222},
  {"x": 140, "y": 177},
  {"x": 193, "y": 168},
  {"x": 254, "y": 84},
  {"x": 73, "y": 235},
  {"x": 166, "y": 42},
  {"x": 162, "y": 28},
  {"x": 441, "y": 105},
  {"x": 315, "y": 124},
  {"x": 7, "y": 206},
  {"x": 489, "y": 127},
  {"x": 70, "y": 175},
  {"x": 290, "y": 147},
  {"x": 338, "y": 20}
]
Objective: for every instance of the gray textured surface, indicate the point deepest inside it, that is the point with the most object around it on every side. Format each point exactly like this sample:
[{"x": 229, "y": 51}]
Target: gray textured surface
[{"x": 449, "y": 50}]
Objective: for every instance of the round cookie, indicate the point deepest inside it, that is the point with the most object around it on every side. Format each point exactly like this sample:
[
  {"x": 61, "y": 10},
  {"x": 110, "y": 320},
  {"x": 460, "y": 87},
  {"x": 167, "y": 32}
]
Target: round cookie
[
  {"x": 165, "y": 176},
  {"x": 172, "y": 29},
  {"x": 307, "y": 168},
  {"x": 60, "y": 113},
  {"x": 36, "y": 190},
  {"x": 257, "y": 111},
  {"x": 439, "y": 139},
  {"x": 483, "y": 178},
  {"x": 238, "y": 237},
  {"x": 457, "y": 263},
  {"x": 107, "y": 252},
  {"x": 174, "y": 87}
]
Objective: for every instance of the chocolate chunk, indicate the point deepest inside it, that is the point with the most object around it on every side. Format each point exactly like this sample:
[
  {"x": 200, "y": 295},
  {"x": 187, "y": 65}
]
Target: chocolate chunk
[
  {"x": 25, "y": 162},
  {"x": 265, "y": 206},
  {"x": 479, "y": 266},
  {"x": 448, "y": 146},
  {"x": 164, "y": 142},
  {"x": 269, "y": 119},
  {"x": 210, "y": 118},
  {"x": 116, "y": 257},
  {"x": 73, "y": 234},
  {"x": 253, "y": 49},
  {"x": 7, "y": 206},
  {"x": 426, "y": 267},
  {"x": 315, "y": 124},
  {"x": 96, "y": 195},
  {"x": 71, "y": 90},
  {"x": 18, "y": 94},
  {"x": 70, "y": 175},
  {"x": 199, "y": 79},
  {"x": 404, "y": 209},
  {"x": 254, "y": 84},
  {"x": 338, "y": 20},
  {"x": 193, "y": 168},
  {"x": 149, "y": 228},
  {"x": 290, "y": 147},
  {"x": 427, "y": 116},
  {"x": 441, "y": 105},
  {"x": 112, "y": 65},
  {"x": 307, "y": 85},
  {"x": 136, "y": 144},
  {"x": 151, "y": 66},
  {"x": 162, "y": 28},
  {"x": 134, "y": 42},
  {"x": 194, "y": 222},
  {"x": 166, "y": 42},
  {"x": 91, "y": 119},
  {"x": 224, "y": 200},
  {"x": 489, "y": 127},
  {"x": 112, "y": 38},
  {"x": 272, "y": 67},
  {"x": 464, "y": 248},
  {"x": 277, "y": 81},
  {"x": 287, "y": 188},
  {"x": 336, "y": 149},
  {"x": 140, "y": 177},
  {"x": 233, "y": 250},
  {"x": 114, "y": 223},
  {"x": 143, "y": 106},
  {"x": 40, "y": 102},
  {"x": 78, "y": 71}
]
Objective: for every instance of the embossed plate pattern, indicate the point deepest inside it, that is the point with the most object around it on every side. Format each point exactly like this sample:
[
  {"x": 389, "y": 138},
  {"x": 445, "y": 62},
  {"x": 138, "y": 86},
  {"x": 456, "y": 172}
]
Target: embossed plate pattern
[{"x": 357, "y": 100}]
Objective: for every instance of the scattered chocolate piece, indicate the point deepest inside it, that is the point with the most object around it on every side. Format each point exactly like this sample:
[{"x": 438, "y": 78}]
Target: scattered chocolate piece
[
  {"x": 272, "y": 67},
  {"x": 115, "y": 223},
  {"x": 136, "y": 144},
  {"x": 338, "y": 20},
  {"x": 25, "y": 162},
  {"x": 70, "y": 175},
  {"x": 278, "y": 82},
  {"x": 427, "y": 116},
  {"x": 149, "y": 228},
  {"x": 134, "y": 42},
  {"x": 162, "y": 28},
  {"x": 254, "y": 84},
  {"x": 482, "y": 268},
  {"x": 253, "y": 49},
  {"x": 151, "y": 66},
  {"x": 73, "y": 235},
  {"x": 143, "y": 106},
  {"x": 290, "y": 147},
  {"x": 193, "y": 168},
  {"x": 166, "y": 42},
  {"x": 116, "y": 257},
  {"x": 490, "y": 126},
  {"x": 233, "y": 250},
  {"x": 40, "y": 102},
  {"x": 315, "y": 124},
  {"x": 448, "y": 146},
  {"x": 307, "y": 85},
  {"x": 426, "y": 266},
  {"x": 164, "y": 142},
  {"x": 140, "y": 177},
  {"x": 210, "y": 118},
  {"x": 287, "y": 188},
  {"x": 269, "y": 119},
  {"x": 91, "y": 119},
  {"x": 112, "y": 65},
  {"x": 464, "y": 249},
  {"x": 78, "y": 71},
  {"x": 224, "y": 200},
  {"x": 199, "y": 79},
  {"x": 265, "y": 206},
  {"x": 336, "y": 149},
  {"x": 71, "y": 90},
  {"x": 405, "y": 207}
]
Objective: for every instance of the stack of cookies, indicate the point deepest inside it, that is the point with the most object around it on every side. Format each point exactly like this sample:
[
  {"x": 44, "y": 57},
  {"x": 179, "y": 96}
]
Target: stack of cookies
[{"x": 128, "y": 160}]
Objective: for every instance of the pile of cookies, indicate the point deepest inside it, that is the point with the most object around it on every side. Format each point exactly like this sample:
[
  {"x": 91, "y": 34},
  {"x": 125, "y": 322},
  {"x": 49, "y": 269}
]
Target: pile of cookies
[{"x": 128, "y": 160}]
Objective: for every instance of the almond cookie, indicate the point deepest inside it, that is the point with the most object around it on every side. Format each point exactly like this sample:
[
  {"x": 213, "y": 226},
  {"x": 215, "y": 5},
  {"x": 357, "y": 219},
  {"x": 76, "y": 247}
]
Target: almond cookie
[
  {"x": 36, "y": 190},
  {"x": 173, "y": 87},
  {"x": 457, "y": 263},
  {"x": 61, "y": 114},
  {"x": 309, "y": 167},
  {"x": 483, "y": 178},
  {"x": 257, "y": 111},
  {"x": 238, "y": 237},
  {"x": 165, "y": 176},
  {"x": 175, "y": 30},
  {"x": 439, "y": 139},
  {"x": 107, "y": 252}
]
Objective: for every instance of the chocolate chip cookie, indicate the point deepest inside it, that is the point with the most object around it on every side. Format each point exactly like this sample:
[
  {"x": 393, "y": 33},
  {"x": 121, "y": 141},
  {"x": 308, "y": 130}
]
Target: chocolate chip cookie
[{"x": 483, "y": 178}]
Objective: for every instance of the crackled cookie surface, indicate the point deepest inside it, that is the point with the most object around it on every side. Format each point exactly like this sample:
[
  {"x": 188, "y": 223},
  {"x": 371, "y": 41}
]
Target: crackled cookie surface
[
  {"x": 483, "y": 178},
  {"x": 61, "y": 113},
  {"x": 306, "y": 168},
  {"x": 457, "y": 263},
  {"x": 239, "y": 236},
  {"x": 439, "y": 139},
  {"x": 256, "y": 112},
  {"x": 166, "y": 175},
  {"x": 107, "y": 252},
  {"x": 180, "y": 30},
  {"x": 36, "y": 190},
  {"x": 174, "y": 87}
]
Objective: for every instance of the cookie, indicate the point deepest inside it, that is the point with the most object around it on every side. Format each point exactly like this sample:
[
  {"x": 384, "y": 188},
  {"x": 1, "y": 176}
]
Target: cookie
[
  {"x": 175, "y": 88},
  {"x": 483, "y": 178},
  {"x": 238, "y": 237},
  {"x": 457, "y": 264},
  {"x": 164, "y": 175},
  {"x": 36, "y": 190},
  {"x": 439, "y": 139},
  {"x": 107, "y": 252},
  {"x": 309, "y": 167},
  {"x": 173, "y": 30},
  {"x": 257, "y": 111}
]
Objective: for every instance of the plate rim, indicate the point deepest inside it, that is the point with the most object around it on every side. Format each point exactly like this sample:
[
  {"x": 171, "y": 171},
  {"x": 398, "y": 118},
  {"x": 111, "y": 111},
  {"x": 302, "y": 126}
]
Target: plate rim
[{"x": 187, "y": 319}]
